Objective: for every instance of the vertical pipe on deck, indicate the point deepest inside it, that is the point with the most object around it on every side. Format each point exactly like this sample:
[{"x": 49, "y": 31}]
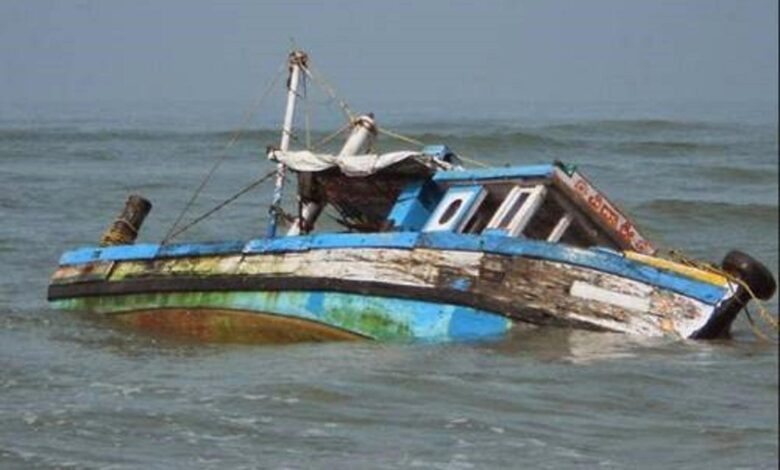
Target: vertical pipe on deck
[{"x": 359, "y": 140}]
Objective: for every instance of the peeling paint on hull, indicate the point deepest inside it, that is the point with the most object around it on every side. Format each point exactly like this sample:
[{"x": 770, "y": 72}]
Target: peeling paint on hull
[{"x": 395, "y": 279}]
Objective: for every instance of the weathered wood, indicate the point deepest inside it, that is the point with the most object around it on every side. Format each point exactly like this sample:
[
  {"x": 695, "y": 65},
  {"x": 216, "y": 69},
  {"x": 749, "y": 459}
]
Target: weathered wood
[
  {"x": 526, "y": 290},
  {"x": 124, "y": 229},
  {"x": 96, "y": 271}
]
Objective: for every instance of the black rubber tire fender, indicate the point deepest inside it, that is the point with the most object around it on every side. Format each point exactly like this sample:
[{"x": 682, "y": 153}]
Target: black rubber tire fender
[{"x": 757, "y": 276}]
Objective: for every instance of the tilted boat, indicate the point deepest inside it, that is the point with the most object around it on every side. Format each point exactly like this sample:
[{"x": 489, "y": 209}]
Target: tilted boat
[{"x": 428, "y": 251}]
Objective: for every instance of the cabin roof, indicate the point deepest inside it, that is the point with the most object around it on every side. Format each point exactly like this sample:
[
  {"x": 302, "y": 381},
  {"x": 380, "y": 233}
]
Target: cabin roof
[{"x": 488, "y": 174}]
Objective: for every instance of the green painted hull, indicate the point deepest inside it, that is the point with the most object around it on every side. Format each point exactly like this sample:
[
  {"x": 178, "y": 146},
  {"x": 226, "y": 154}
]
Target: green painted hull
[{"x": 225, "y": 315}]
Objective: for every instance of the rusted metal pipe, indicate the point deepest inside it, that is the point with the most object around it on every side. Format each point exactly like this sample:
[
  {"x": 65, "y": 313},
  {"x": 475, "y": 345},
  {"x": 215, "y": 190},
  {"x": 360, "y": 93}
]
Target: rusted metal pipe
[{"x": 125, "y": 228}]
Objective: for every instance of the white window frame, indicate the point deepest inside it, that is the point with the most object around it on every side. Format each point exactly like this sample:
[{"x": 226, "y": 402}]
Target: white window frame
[
  {"x": 523, "y": 215},
  {"x": 560, "y": 228},
  {"x": 471, "y": 198}
]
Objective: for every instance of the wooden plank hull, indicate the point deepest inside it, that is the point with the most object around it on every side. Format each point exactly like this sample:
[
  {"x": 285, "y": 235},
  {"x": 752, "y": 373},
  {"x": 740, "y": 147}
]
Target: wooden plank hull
[{"x": 388, "y": 292}]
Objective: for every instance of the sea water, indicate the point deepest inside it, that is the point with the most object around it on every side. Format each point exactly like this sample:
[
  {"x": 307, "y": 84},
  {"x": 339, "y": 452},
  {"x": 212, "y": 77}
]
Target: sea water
[{"x": 80, "y": 392}]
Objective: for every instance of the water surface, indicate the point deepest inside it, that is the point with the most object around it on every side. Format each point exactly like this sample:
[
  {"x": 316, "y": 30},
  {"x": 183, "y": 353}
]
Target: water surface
[{"x": 78, "y": 392}]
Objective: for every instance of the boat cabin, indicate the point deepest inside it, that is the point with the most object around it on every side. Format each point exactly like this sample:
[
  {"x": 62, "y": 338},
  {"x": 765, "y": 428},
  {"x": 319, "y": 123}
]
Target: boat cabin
[
  {"x": 532, "y": 202},
  {"x": 427, "y": 191}
]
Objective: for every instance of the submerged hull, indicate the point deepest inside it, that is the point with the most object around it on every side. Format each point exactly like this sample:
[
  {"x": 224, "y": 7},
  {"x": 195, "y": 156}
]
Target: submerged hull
[
  {"x": 395, "y": 286},
  {"x": 289, "y": 316}
]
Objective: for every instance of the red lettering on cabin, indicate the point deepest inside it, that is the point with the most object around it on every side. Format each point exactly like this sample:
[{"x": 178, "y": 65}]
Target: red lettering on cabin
[
  {"x": 627, "y": 231},
  {"x": 581, "y": 187},
  {"x": 609, "y": 215},
  {"x": 596, "y": 201}
]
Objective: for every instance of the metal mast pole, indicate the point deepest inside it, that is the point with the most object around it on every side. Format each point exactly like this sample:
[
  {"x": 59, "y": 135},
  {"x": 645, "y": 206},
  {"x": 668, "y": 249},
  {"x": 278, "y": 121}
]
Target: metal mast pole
[{"x": 298, "y": 60}]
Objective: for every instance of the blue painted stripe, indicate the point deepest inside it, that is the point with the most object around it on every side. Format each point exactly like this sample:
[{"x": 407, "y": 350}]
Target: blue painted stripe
[
  {"x": 447, "y": 240},
  {"x": 332, "y": 240},
  {"x": 367, "y": 240},
  {"x": 597, "y": 259},
  {"x": 110, "y": 253},
  {"x": 200, "y": 249},
  {"x": 278, "y": 244},
  {"x": 512, "y": 172}
]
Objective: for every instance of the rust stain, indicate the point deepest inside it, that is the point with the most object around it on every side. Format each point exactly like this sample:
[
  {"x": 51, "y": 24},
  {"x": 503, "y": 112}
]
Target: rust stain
[
  {"x": 98, "y": 270},
  {"x": 230, "y": 326}
]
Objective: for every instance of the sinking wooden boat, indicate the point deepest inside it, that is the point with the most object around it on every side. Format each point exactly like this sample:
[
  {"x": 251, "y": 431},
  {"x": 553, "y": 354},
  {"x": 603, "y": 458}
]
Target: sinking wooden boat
[{"x": 428, "y": 251}]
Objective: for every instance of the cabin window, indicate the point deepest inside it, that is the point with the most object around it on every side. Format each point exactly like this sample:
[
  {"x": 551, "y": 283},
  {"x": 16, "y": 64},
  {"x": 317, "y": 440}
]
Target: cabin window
[
  {"x": 578, "y": 234},
  {"x": 455, "y": 209},
  {"x": 516, "y": 205},
  {"x": 560, "y": 228},
  {"x": 557, "y": 221},
  {"x": 450, "y": 211},
  {"x": 477, "y": 223},
  {"x": 547, "y": 220},
  {"x": 517, "y": 209}
]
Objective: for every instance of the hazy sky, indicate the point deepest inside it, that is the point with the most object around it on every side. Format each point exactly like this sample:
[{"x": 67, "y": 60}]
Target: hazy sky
[{"x": 700, "y": 50}]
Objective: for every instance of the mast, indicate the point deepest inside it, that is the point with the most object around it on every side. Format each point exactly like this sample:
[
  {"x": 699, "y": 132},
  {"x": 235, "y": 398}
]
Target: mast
[{"x": 297, "y": 62}]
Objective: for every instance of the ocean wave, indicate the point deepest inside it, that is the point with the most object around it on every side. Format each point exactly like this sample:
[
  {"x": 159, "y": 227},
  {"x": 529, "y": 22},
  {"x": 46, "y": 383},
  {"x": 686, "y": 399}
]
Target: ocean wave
[
  {"x": 510, "y": 138},
  {"x": 741, "y": 175},
  {"x": 141, "y": 135},
  {"x": 78, "y": 135},
  {"x": 711, "y": 212},
  {"x": 635, "y": 137},
  {"x": 669, "y": 148},
  {"x": 261, "y": 134},
  {"x": 634, "y": 126}
]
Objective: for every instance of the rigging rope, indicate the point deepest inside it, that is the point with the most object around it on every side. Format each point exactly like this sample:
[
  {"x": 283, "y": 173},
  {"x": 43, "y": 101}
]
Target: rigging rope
[
  {"x": 248, "y": 114},
  {"x": 221, "y": 205},
  {"x": 763, "y": 312},
  {"x": 332, "y": 136},
  {"x": 318, "y": 78},
  {"x": 412, "y": 141}
]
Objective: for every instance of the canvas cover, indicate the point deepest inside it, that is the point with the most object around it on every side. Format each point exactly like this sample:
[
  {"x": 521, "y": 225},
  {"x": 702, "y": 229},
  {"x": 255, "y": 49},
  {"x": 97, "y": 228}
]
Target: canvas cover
[{"x": 355, "y": 165}]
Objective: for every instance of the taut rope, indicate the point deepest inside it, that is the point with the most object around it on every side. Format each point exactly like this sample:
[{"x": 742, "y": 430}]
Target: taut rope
[
  {"x": 221, "y": 205},
  {"x": 234, "y": 138}
]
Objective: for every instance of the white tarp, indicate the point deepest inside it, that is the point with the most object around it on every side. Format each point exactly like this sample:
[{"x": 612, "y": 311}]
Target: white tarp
[{"x": 355, "y": 165}]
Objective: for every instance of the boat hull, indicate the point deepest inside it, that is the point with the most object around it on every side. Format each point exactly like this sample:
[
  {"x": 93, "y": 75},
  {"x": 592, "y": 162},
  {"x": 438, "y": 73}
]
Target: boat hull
[
  {"x": 291, "y": 316},
  {"x": 394, "y": 286}
]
